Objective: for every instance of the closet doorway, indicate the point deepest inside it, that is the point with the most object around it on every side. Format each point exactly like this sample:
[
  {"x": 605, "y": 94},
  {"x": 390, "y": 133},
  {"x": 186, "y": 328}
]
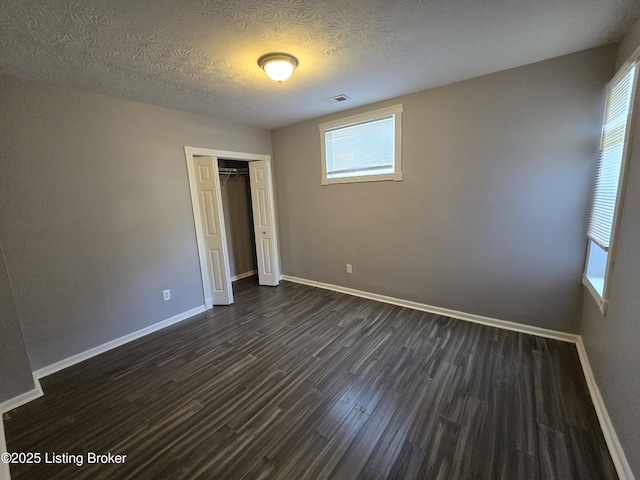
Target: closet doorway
[
  {"x": 214, "y": 235},
  {"x": 238, "y": 218}
]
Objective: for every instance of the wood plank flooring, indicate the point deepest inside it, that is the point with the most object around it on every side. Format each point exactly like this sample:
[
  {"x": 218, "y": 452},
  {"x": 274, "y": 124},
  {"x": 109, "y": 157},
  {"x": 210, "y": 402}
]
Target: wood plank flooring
[{"x": 295, "y": 382}]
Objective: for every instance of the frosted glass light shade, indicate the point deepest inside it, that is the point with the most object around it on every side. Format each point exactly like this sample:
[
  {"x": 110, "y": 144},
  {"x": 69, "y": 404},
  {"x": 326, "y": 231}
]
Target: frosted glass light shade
[{"x": 278, "y": 66}]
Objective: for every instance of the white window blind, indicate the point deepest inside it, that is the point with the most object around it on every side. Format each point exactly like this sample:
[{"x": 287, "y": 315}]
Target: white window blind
[
  {"x": 612, "y": 146},
  {"x": 363, "y": 149}
]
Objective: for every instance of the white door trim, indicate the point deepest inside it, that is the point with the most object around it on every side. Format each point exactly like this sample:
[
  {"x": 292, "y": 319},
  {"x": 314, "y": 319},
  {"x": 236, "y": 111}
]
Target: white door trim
[{"x": 190, "y": 152}]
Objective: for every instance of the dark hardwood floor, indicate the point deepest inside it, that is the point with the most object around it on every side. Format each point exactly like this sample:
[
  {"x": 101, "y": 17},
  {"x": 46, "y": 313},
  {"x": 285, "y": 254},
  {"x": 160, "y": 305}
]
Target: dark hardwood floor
[{"x": 296, "y": 382}]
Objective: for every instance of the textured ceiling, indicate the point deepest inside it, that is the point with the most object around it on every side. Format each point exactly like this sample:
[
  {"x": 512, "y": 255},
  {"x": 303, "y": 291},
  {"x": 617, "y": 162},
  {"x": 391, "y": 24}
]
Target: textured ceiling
[{"x": 200, "y": 55}]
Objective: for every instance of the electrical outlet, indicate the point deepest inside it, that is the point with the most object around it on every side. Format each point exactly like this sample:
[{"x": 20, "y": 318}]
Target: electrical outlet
[
  {"x": 166, "y": 295},
  {"x": 349, "y": 268}
]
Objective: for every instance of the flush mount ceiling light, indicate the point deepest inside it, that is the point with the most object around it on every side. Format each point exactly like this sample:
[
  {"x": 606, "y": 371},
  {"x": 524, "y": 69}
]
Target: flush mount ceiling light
[{"x": 279, "y": 66}]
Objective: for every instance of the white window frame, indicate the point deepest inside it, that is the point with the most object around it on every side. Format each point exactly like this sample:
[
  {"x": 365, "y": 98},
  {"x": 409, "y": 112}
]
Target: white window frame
[
  {"x": 598, "y": 286},
  {"x": 396, "y": 113}
]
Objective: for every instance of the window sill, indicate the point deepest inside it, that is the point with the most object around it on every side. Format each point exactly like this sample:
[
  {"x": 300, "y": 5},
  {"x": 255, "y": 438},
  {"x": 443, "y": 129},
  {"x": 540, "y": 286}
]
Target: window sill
[
  {"x": 595, "y": 285},
  {"x": 396, "y": 177}
]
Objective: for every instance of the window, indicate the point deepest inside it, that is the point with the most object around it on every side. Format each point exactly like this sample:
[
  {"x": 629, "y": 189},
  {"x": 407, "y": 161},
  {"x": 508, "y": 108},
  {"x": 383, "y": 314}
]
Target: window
[
  {"x": 362, "y": 148},
  {"x": 608, "y": 192}
]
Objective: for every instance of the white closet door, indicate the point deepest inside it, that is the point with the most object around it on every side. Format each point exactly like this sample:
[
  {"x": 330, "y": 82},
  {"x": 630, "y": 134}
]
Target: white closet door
[
  {"x": 264, "y": 223},
  {"x": 214, "y": 238}
]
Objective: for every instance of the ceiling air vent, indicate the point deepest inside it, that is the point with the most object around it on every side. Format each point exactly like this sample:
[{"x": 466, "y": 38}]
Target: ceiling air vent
[{"x": 340, "y": 98}]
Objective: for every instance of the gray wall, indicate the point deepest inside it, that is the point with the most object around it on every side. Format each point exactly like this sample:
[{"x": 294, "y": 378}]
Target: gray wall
[
  {"x": 15, "y": 370},
  {"x": 629, "y": 43},
  {"x": 612, "y": 341},
  {"x": 95, "y": 212},
  {"x": 491, "y": 216}
]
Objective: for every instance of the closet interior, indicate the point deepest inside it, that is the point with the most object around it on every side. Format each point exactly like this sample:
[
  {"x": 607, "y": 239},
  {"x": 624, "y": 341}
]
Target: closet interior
[{"x": 238, "y": 218}]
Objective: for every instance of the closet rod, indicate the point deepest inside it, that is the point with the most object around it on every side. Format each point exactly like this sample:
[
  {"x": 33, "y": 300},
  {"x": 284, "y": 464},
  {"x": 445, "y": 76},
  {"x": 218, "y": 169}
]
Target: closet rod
[{"x": 233, "y": 171}]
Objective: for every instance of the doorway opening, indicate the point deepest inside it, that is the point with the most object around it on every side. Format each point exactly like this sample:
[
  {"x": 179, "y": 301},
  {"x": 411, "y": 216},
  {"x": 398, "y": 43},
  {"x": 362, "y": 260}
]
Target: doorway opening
[
  {"x": 238, "y": 218},
  {"x": 213, "y": 233}
]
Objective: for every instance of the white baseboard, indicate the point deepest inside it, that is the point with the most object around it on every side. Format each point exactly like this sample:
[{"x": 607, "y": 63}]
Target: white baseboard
[
  {"x": 8, "y": 405},
  {"x": 26, "y": 397},
  {"x": 615, "y": 448},
  {"x": 23, "y": 398},
  {"x": 469, "y": 317},
  {"x": 240, "y": 276},
  {"x": 80, "y": 357},
  {"x": 613, "y": 443}
]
